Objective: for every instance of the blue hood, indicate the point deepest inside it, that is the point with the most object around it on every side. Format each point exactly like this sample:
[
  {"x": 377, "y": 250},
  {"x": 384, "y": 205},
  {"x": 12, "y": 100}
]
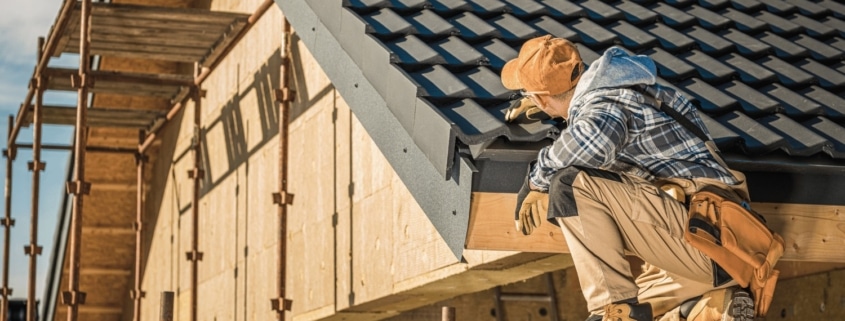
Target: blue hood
[{"x": 616, "y": 68}]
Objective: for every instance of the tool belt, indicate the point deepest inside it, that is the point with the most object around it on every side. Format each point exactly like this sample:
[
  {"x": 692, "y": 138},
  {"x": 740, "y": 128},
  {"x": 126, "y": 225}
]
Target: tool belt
[{"x": 723, "y": 226}]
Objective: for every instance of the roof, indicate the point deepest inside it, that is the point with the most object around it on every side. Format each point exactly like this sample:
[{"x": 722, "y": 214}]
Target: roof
[{"x": 767, "y": 75}]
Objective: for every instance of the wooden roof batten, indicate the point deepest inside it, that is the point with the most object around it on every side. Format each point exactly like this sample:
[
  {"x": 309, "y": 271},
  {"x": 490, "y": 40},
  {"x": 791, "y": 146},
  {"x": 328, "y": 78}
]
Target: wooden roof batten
[{"x": 186, "y": 35}]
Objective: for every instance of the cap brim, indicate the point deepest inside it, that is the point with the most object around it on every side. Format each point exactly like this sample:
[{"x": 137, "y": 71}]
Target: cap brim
[{"x": 509, "y": 77}]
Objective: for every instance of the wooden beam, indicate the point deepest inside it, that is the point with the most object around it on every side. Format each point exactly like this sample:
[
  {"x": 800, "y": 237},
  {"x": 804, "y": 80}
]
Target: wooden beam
[
  {"x": 129, "y": 11},
  {"x": 812, "y": 233}
]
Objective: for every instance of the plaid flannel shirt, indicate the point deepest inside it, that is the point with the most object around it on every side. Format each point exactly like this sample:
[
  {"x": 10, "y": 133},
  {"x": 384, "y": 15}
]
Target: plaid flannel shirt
[{"x": 617, "y": 130}]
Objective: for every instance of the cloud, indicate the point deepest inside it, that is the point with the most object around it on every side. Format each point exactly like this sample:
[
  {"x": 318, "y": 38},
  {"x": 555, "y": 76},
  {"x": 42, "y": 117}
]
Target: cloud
[{"x": 20, "y": 28}]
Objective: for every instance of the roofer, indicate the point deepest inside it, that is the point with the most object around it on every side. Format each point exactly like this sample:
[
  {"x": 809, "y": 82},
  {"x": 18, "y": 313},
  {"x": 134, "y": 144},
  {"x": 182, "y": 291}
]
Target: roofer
[{"x": 618, "y": 181}]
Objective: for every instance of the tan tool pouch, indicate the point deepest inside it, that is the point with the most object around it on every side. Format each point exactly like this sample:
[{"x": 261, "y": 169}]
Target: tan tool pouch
[{"x": 738, "y": 240}]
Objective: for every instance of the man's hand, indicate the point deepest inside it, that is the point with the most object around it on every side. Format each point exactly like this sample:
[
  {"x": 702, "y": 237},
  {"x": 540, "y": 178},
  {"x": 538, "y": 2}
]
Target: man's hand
[
  {"x": 525, "y": 107},
  {"x": 531, "y": 209}
]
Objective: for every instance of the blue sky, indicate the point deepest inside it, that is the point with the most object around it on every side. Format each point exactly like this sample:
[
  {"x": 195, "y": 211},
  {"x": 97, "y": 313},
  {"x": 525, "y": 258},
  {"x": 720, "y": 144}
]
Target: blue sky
[{"x": 20, "y": 28}]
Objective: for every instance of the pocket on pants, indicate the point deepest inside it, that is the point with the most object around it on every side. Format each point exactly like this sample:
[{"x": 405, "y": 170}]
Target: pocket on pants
[{"x": 658, "y": 209}]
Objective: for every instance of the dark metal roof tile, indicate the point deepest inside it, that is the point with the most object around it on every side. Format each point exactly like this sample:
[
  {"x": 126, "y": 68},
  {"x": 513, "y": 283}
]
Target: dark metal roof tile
[
  {"x": 669, "y": 66},
  {"x": 779, "y": 25},
  {"x": 429, "y": 24},
  {"x": 592, "y": 35},
  {"x": 456, "y": 52},
  {"x": 813, "y": 27},
  {"x": 784, "y": 49},
  {"x": 710, "y": 100},
  {"x": 632, "y": 37},
  {"x": 387, "y": 22},
  {"x": 833, "y": 132},
  {"x": 809, "y": 8},
  {"x": 450, "y": 6},
  {"x": 711, "y": 70},
  {"x": 671, "y": 16},
  {"x": 599, "y": 11},
  {"x": 835, "y": 23},
  {"x": 497, "y": 52},
  {"x": 408, "y": 5},
  {"x": 752, "y": 101},
  {"x": 679, "y": 3},
  {"x": 512, "y": 28},
  {"x": 834, "y": 106},
  {"x": 488, "y": 7},
  {"x": 828, "y": 78},
  {"x": 708, "y": 19},
  {"x": 587, "y": 54},
  {"x": 779, "y": 7},
  {"x": 670, "y": 39},
  {"x": 485, "y": 83},
  {"x": 787, "y": 74},
  {"x": 438, "y": 82},
  {"x": 709, "y": 42},
  {"x": 476, "y": 124},
  {"x": 750, "y": 72},
  {"x": 564, "y": 9},
  {"x": 819, "y": 50},
  {"x": 526, "y": 8},
  {"x": 744, "y": 22},
  {"x": 837, "y": 43},
  {"x": 801, "y": 141},
  {"x": 793, "y": 104},
  {"x": 714, "y": 4},
  {"x": 551, "y": 26},
  {"x": 410, "y": 50},
  {"x": 756, "y": 138},
  {"x": 835, "y": 6},
  {"x": 723, "y": 137},
  {"x": 747, "y": 5},
  {"x": 745, "y": 44},
  {"x": 366, "y": 4},
  {"x": 472, "y": 27},
  {"x": 635, "y": 13}
]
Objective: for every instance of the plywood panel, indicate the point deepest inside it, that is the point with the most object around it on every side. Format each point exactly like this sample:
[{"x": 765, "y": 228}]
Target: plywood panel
[{"x": 492, "y": 227}]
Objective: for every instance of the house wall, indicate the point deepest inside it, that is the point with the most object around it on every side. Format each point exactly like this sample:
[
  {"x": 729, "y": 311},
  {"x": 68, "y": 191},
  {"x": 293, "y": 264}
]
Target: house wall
[{"x": 359, "y": 245}]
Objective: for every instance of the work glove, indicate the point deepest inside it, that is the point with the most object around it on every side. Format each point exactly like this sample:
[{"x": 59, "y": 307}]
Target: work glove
[
  {"x": 531, "y": 209},
  {"x": 526, "y": 108}
]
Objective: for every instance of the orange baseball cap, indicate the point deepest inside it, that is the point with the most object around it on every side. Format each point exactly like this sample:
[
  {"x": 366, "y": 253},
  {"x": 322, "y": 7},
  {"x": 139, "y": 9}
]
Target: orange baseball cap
[{"x": 544, "y": 64}]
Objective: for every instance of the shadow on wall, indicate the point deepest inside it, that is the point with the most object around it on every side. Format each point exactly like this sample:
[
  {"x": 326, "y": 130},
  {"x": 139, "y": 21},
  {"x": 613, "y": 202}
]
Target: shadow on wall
[{"x": 237, "y": 149}]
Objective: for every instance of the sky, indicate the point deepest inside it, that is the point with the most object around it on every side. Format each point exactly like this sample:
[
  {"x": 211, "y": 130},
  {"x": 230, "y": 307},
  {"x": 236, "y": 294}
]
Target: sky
[{"x": 20, "y": 28}]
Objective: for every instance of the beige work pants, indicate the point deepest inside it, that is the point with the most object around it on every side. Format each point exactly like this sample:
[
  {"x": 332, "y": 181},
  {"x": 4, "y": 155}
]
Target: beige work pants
[{"x": 615, "y": 215}]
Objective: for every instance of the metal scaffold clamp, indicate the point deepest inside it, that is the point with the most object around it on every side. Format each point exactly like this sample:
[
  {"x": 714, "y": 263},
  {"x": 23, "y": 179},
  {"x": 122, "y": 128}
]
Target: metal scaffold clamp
[
  {"x": 281, "y": 304},
  {"x": 196, "y": 173},
  {"x": 7, "y": 222},
  {"x": 73, "y": 298},
  {"x": 78, "y": 188},
  {"x": 10, "y": 153},
  {"x": 5, "y": 292},
  {"x": 36, "y": 166},
  {"x": 77, "y": 81},
  {"x": 284, "y": 95},
  {"x": 283, "y": 198},
  {"x": 194, "y": 255},
  {"x": 32, "y": 249},
  {"x": 137, "y": 294}
]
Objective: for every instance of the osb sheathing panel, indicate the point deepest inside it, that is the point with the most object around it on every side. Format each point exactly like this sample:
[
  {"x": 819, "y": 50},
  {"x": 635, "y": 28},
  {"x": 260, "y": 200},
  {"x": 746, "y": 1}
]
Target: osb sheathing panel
[
  {"x": 110, "y": 289},
  {"x": 107, "y": 251},
  {"x": 62, "y": 315},
  {"x": 109, "y": 168},
  {"x": 109, "y": 208}
]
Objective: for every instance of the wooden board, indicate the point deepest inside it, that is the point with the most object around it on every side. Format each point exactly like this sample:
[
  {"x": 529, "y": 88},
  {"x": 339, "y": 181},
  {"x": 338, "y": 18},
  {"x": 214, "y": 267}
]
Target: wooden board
[
  {"x": 491, "y": 227},
  {"x": 813, "y": 233}
]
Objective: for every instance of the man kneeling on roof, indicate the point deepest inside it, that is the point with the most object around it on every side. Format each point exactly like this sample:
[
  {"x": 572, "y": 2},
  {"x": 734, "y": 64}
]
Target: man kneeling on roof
[{"x": 600, "y": 181}]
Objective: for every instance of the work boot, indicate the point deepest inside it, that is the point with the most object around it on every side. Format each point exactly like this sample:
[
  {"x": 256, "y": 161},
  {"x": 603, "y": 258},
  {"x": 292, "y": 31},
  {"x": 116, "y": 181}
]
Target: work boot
[
  {"x": 627, "y": 312},
  {"x": 728, "y": 304}
]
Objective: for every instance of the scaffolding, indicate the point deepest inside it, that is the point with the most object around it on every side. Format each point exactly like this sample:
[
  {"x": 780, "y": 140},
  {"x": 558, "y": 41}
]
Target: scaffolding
[{"x": 176, "y": 35}]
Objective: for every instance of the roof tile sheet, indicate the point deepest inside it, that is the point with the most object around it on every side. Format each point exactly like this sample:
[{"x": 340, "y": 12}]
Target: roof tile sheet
[{"x": 767, "y": 75}]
